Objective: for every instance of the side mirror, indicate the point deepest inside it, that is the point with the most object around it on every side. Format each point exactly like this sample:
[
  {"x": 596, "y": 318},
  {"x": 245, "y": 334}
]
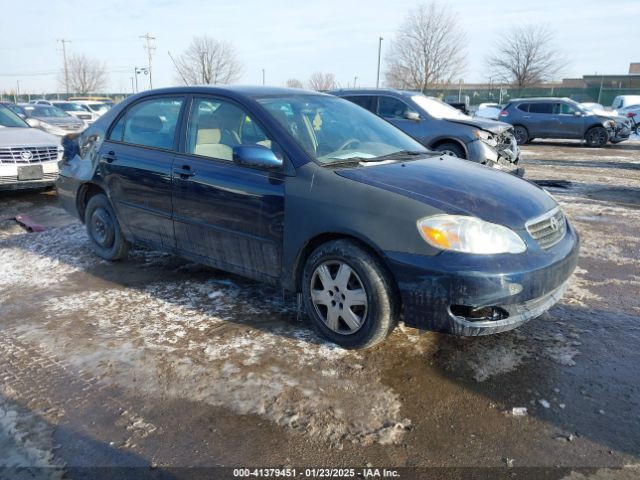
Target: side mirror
[
  {"x": 256, "y": 156},
  {"x": 577, "y": 113},
  {"x": 415, "y": 116},
  {"x": 32, "y": 122}
]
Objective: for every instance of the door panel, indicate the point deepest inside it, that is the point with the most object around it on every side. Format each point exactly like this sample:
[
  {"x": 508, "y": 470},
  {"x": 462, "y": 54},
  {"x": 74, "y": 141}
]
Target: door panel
[
  {"x": 136, "y": 163},
  {"x": 570, "y": 125},
  {"x": 227, "y": 215},
  {"x": 138, "y": 181}
]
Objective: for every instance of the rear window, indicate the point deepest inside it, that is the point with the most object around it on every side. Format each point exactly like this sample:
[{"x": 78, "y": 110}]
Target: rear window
[
  {"x": 542, "y": 107},
  {"x": 364, "y": 101}
]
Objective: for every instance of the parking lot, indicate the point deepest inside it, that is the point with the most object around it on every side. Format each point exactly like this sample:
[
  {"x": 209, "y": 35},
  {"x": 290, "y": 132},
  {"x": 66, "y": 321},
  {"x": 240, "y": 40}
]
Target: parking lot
[{"x": 158, "y": 361}]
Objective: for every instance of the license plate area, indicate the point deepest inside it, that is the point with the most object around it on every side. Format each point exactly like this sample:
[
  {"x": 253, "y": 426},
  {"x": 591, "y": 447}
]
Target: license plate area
[{"x": 30, "y": 172}]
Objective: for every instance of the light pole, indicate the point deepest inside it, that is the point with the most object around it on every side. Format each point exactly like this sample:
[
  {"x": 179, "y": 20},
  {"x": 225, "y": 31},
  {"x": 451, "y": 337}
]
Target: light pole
[
  {"x": 263, "y": 77},
  {"x": 379, "y": 51},
  {"x": 133, "y": 90},
  {"x": 355, "y": 80}
]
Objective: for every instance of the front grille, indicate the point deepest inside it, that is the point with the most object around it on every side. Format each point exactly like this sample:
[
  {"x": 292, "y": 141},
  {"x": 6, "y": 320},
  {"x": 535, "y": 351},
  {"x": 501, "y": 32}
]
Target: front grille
[
  {"x": 10, "y": 179},
  {"x": 26, "y": 155},
  {"x": 548, "y": 229}
]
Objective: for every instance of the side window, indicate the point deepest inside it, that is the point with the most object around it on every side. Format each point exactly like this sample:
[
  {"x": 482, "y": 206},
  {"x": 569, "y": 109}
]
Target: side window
[
  {"x": 563, "y": 109},
  {"x": 541, "y": 107},
  {"x": 524, "y": 107},
  {"x": 216, "y": 126},
  {"x": 389, "y": 107},
  {"x": 151, "y": 123},
  {"x": 364, "y": 101}
]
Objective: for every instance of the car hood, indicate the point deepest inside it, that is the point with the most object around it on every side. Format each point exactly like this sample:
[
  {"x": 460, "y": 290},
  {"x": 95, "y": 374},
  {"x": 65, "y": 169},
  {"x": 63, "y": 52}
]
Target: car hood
[
  {"x": 60, "y": 120},
  {"x": 26, "y": 137},
  {"x": 492, "y": 126},
  {"x": 459, "y": 187}
]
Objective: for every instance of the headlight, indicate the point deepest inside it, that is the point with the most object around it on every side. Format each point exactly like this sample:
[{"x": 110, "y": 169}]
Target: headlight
[
  {"x": 610, "y": 123},
  {"x": 469, "y": 234},
  {"x": 51, "y": 128},
  {"x": 486, "y": 137}
]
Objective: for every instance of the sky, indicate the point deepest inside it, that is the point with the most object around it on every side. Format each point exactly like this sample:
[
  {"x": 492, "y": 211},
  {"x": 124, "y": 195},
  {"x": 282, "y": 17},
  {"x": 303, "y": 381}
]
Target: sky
[{"x": 289, "y": 38}]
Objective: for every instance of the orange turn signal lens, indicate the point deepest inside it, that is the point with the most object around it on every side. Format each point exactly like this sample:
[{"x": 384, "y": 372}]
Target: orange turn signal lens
[{"x": 436, "y": 236}]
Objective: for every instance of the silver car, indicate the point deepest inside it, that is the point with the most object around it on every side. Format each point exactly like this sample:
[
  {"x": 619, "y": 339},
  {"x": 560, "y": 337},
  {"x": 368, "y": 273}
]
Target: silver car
[
  {"x": 53, "y": 120},
  {"x": 28, "y": 157}
]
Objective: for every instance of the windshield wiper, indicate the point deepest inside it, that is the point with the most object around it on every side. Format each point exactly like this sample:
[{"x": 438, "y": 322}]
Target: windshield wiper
[{"x": 403, "y": 154}]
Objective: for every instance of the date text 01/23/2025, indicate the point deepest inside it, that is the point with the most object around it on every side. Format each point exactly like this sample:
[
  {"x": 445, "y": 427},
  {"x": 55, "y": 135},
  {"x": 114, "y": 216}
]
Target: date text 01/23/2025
[{"x": 315, "y": 473}]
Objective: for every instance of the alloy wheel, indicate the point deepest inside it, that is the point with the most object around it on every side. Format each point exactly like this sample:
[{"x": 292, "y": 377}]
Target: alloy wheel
[{"x": 339, "y": 297}]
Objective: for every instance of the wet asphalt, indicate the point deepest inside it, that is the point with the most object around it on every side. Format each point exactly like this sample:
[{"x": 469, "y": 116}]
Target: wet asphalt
[{"x": 158, "y": 361}]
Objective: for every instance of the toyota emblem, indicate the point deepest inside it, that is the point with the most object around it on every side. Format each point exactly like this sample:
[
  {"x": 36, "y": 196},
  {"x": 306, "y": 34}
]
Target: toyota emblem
[
  {"x": 554, "y": 224},
  {"x": 26, "y": 155}
]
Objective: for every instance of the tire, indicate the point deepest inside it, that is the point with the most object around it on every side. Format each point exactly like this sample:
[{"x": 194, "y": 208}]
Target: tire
[
  {"x": 521, "y": 134},
  {"x": 341, "y": 270},
  {"x": 452, "y": 149},
  {"x": 103, "y": 228},
  {"x": 596, "y": 137}
]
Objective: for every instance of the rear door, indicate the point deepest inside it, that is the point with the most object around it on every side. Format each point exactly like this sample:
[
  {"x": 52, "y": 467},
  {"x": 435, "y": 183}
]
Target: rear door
[
  {"x": 226, "y": 215},
  {"x": 540, "y": 122},
  {"x": 136, "y": 164}
]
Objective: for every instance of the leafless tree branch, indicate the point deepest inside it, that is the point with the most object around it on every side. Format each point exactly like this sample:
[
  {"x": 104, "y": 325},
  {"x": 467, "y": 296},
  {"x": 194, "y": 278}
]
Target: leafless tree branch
[
  {"x": 294, "y": 83},
  {"x": 526, "y": 56},
  {"x": 208, "y": 61},
  {"x": 85, "y": 75},
  {"x": 428, "y": 49},
  {"x": 322, "y": 81}
]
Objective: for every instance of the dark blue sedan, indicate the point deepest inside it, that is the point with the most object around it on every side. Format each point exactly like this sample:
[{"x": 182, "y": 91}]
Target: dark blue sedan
[{"x": 317, "y": 195}]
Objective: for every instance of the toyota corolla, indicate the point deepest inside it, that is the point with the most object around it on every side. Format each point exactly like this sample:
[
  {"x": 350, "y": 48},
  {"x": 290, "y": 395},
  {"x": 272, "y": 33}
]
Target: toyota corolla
[{"x": 320, "y": 197}]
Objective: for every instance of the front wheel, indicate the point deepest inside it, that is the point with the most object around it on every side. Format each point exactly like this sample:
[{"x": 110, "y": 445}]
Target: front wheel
[
  {"x": 597, "y": 137},
  {"x": 521, "y": 134},
  {"x": 348, "y": 295},
  {"x": 105, "y": 236},
  {"x": 451, "y": 149}
]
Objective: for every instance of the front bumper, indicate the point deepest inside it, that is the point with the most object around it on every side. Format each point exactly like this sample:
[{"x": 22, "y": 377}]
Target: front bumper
[
  {"x": 523, "y": 286},
  {"x": 9, "y": 179},
  {"x": 506, "y": 161}
]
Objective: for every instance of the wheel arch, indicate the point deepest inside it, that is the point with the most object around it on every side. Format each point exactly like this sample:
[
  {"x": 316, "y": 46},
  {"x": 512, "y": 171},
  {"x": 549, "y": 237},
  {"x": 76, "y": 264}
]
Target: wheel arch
[
  {"x": 322, "y": 238},
  {"x": 85, "y": 192},
  {"x": 442, "y": 140}
]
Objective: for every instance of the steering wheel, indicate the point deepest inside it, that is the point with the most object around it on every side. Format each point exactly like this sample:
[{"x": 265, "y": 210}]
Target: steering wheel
[{"x": 348, "y": 142}]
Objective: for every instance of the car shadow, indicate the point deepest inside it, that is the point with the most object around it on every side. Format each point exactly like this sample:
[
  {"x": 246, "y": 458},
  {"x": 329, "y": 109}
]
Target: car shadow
[
  {"x": 620, "y": 195},
  {"x": 625, "y": 145},
  {"x": 584, "y": 164}
]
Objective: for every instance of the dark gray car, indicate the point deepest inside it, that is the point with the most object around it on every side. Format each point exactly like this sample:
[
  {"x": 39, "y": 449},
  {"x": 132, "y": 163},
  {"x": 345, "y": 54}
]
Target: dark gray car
[
  {"x": 562, "y": 118},
  {"x": 440, "y": 127}
]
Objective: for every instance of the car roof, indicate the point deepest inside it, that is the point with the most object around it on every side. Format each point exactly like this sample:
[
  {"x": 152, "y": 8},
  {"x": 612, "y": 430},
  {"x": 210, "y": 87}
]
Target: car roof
[
  {"x": 240, "y": 90},
  {"x": 373, "y": 91},
  {"x": 540, "y": 99}
]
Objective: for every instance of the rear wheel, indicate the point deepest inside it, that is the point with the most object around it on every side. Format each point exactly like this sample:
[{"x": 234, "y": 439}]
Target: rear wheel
[
  {"x": 521, "y": 134},
  {"x": 452, "y": 149},
  {"x": 349, "y": 295},
  {"x": 597, "y": 137},
  {"x": 105, "y": 236}
]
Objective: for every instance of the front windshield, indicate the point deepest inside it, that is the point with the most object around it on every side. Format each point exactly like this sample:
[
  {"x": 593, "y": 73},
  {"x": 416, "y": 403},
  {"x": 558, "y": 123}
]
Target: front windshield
[
  {"x": 45, "y": 111},
  {"x": 10, "y": 119},
  {"x": 438, "y": 109},
  {"x": 70, "y": 107},
  {"x": 333, "y": 130}
]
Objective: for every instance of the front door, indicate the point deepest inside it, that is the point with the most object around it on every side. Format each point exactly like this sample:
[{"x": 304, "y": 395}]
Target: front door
[
  {"x": 136, "y": 165},
  {"x": 570, "y": 121},
  {"x": 227, "y": 215}
]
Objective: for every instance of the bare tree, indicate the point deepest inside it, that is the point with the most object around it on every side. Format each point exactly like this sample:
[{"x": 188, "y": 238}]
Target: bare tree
[
  {"x": 294, "y": 83},
  {"x": 322, "y": 81},
  {"x": 428, "y": 49},
  {"x": 85, "y": 75},
  {"x": 526, "y": 56},
  {"x": 208, "y": 61}
]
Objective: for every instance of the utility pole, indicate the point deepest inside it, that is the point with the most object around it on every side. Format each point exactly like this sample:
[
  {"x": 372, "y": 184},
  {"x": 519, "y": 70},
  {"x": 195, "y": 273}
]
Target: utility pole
[
  {"x": 263, "y": 77},
  {"x": 379, "y": 51},
  {"x": 149, "y": 47},
  {"x": 133, "y": 90},
  {"x": 355, "y": 81},
  {"x": 18, "y": 91},
  {"x": 64, "y": 42}
]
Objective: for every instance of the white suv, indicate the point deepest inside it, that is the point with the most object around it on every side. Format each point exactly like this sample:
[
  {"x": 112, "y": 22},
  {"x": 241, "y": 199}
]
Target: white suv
[
  {"x": 28, "y": 157},
  {"x": 77, "y": 110}
]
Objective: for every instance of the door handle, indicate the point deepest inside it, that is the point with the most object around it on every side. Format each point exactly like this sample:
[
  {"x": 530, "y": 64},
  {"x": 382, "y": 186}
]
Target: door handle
[
  {"x": 184, "y": 171},
  {"x": 109, "y": 157}
]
